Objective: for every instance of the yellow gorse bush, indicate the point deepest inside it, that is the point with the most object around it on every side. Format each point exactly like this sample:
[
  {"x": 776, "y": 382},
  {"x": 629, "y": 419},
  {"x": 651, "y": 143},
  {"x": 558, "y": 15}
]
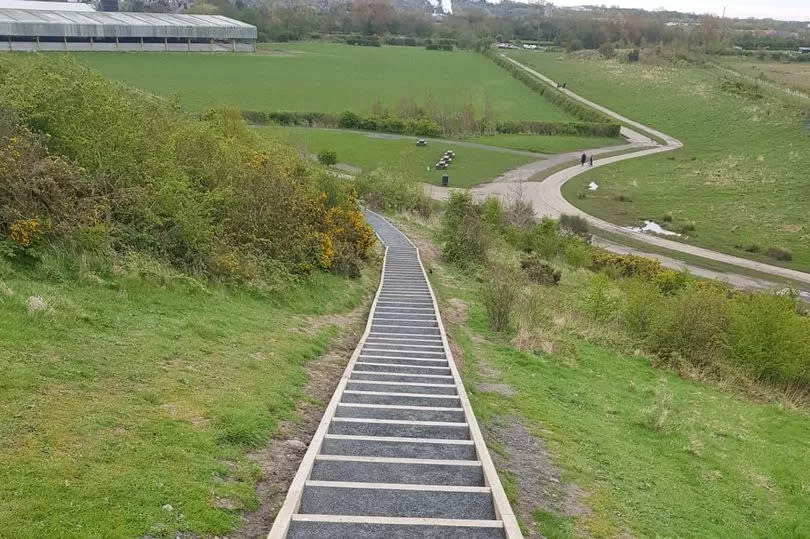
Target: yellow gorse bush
[{"x": 24, "y": 231}]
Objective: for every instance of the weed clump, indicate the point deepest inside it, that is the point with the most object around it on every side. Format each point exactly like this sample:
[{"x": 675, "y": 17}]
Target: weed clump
[
  {"x": 779, "y": 253},
  {"x": 538, "y": 271},
  {"x": 465, "y": 236},
  {"x": 499, "y": 291}
]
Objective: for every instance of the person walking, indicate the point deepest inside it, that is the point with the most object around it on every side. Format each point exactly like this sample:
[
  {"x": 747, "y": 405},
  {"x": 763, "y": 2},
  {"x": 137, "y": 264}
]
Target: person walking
[
  {"x": 591, "y": 160},
  {"x": 583, "y": 159}
]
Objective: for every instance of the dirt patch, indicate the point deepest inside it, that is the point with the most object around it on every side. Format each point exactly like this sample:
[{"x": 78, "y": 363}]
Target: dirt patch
[
  {"x": 454, "y": 311},
  {"x": 280, "y": 458},
  {"x": 501, "y": 389},
  {"x": 538, "y": 481}
]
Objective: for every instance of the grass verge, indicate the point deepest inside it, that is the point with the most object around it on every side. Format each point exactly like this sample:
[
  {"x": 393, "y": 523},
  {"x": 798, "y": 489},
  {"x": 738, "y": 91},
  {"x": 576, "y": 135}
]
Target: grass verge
[{"x": 128, "y": 403}]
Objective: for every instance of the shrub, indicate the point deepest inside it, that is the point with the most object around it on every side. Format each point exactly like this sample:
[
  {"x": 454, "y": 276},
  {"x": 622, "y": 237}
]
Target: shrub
[
  {"x": 624, "y": 265},
  {"x": 684, "y": 227},
  {"x": 623, "y": 198},
  {"x": 769, "y": 339},
  {"x": 538, "y": 271},
  {"x": 779, "y": 253},
  {"x": 204, "y": 194},
  {"x": 383, "y": 189},
  {"x": 499, "y": 291},
  {"x": 576, "y": 254},
  {"x": 466, "y": 237},
  {"x": 575, "y": 224},
  {"x": 349, "y": 120},
  {"x": 692, "y": 325},
  {"x": 668, "y": 217},
  {"x": 640, "y": 305},
  {"x": 600, "y": 301},
  {"x": 327, "y": 157},
  {"x": 607, "y": 50}
]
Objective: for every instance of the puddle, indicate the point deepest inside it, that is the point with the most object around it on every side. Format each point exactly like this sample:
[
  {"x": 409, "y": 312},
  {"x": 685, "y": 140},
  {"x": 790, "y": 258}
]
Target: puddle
[
  {"x": 655, "y": 228},
  {"x": 593, "y": 186}
]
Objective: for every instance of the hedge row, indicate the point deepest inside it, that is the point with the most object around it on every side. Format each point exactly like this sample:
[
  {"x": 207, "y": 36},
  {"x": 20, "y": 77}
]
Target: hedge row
[
  {"x": 366, "y": 41},
  {"x": 422, "y": 127},
  {"x": 586, "y": 114},
  {"x": 588, "y": 129}
]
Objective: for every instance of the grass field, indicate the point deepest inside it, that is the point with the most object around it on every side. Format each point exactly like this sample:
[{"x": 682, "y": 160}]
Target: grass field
[
  {"x": 328, "y": 77},
  {"x": 741, "y": 176},
  {"x": 369, "y": 151},
  {"x": 127, "y": 407},
  {"x": 643, "y": 452}
]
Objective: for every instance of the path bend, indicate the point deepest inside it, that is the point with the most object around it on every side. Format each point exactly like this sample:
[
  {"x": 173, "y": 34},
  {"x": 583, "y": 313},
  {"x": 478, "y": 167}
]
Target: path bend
[{"x": 547, "y": 198}]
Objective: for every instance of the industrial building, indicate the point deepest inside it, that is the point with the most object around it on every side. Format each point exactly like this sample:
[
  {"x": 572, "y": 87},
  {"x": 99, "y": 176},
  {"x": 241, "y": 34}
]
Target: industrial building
[{"x": 74, "y": 28}]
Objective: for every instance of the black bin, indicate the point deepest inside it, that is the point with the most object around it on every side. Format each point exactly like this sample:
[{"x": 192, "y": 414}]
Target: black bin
[{"x": 445, "y": 180}]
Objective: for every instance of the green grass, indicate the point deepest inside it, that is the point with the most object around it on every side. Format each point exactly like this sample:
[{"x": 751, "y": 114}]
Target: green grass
[
  {"x": 546, "y": 144},
  {"x": 329, "y": 78},
  {"x": 128, "y": 395},
  {"x": 369, "y": 151},
  {"x": 653, "y": 454},
  {"x": 741, "y": 175}
]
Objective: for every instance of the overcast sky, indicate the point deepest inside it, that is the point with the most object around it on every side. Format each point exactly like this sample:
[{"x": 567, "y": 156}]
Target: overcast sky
[{"x": 793, "y": 10}]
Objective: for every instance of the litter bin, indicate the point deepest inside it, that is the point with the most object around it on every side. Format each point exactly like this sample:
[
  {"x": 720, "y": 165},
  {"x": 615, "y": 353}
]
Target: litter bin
[{"x": 445, "y": 180}]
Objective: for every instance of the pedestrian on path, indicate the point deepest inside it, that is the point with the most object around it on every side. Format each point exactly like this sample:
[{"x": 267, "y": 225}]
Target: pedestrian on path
[
  {"x": 583, "y": 159},
  {"x": 591, "y": 160}
]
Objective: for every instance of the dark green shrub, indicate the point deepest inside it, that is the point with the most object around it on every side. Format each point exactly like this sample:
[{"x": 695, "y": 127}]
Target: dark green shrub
[
  {"x": 539, "y": 271},
  {"x": 779, "y": 253},
  {"x": 349, "y": 120},
  {"x": 327, "y": 157},
  {"x": 607, "y": 50},
  {"x": 576, "y": 225}
]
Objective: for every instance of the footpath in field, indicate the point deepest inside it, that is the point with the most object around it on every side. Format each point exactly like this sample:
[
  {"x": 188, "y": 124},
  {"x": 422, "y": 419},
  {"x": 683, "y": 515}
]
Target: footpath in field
[
  {"x": 398, "y": 452},
  {"x": 547, "y": 198}
]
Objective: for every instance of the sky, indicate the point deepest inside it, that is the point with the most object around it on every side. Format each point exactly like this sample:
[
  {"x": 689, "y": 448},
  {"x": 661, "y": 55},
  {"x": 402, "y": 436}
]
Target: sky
[{"x": 789, "y": 10}]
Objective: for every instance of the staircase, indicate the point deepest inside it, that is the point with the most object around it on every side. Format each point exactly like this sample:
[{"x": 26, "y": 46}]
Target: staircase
[{"x": 398, "y": 453}]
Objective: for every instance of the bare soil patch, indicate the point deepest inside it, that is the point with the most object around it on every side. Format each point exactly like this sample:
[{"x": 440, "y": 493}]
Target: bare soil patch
[{"x": 280, "y": 458}]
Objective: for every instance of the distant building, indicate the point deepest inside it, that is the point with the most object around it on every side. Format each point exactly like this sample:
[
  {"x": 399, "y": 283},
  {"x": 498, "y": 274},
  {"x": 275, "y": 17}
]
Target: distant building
[
  {"x": 804, "y": 50},
  {"x": 31, "y": 29},
  {"x": 47, "y": 6}
]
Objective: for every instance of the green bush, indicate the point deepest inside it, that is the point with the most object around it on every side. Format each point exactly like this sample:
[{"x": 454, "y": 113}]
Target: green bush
[
  {"x": 576, "y": 254},
  {"x": 327, "y": 157},
  {"x": 640, "y": 304},
  {"x": 204, "y": 194},
  {"x": 769, "y": 339},
  {"x": 383, "y": 189},
  {"x": 499, "y": 292},
  {"x": 601, "y": 301},
  {"x": 576, "y": 225},
  {"x": 465, "y": 236},
  {"x": 607, "y": 50},
  {"x": 692, "y": 325}
]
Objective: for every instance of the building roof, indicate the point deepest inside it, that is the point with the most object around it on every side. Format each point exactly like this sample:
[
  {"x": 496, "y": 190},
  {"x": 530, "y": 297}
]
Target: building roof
[
  {"x": 108, "y": 24},
  {"x": 47, "y": 6}
]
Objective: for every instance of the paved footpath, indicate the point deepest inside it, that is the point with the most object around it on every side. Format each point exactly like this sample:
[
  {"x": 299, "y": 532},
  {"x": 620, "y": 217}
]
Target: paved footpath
[{"x": 398, "y": 452}]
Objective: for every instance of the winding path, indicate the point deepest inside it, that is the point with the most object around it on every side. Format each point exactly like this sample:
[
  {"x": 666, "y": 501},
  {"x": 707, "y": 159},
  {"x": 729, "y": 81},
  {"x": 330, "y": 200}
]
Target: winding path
[
  {"x": 398, "y": 453},
  {"x": 547, "y": 198}
]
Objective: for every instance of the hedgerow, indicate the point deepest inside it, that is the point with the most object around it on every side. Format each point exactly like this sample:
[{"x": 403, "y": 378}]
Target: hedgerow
[{"x": 83, "y": 157}]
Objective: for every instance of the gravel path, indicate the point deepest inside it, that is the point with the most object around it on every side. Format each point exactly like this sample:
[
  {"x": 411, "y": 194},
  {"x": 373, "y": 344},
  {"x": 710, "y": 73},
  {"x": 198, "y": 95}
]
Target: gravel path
[{"x": 547, "y": 198}]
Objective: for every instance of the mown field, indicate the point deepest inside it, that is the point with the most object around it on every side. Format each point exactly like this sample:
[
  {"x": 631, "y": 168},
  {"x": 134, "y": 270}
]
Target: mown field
[
  {"x": 741, "y": 177},
  {"x": 633, "y": 449},
  {"x": 327, "y": 77},
  {"x": 129, "y": 403},
  {"x": 370, "y": 151}
]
